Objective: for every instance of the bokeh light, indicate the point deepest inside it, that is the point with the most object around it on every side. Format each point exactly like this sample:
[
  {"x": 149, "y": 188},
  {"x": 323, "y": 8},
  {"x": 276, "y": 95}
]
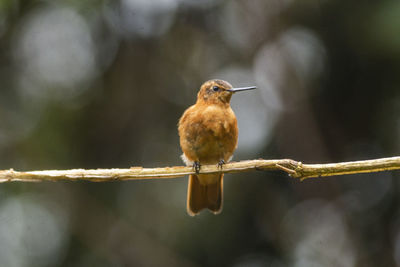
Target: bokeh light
[
  {"x": 318, "y": 236},
  {"x": 55, "y": 53},
  {"x": 27, "y": 222}
]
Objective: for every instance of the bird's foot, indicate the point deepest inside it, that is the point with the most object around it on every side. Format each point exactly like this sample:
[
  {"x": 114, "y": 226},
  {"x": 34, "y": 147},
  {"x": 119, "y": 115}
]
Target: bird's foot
[
  {"x": 196, "y": 167},
  {"x": 221, "y": 163}
]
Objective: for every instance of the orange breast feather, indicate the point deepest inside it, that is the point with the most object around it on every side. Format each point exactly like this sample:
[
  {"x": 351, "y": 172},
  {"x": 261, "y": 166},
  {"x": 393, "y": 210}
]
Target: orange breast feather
[{"x": 208, "y": 133}]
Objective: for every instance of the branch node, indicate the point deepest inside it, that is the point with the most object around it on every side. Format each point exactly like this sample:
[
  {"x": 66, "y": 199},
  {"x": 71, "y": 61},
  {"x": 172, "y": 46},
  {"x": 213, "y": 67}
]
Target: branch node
[
  {"x": 287, "y": 170},
  {"x": 10, "y": 174},
  {"x": 299, "y": 171}
]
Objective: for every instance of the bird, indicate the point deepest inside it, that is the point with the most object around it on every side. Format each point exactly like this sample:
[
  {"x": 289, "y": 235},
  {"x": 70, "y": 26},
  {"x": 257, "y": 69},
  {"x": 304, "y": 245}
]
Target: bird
[{"x": 208, "y": 134}]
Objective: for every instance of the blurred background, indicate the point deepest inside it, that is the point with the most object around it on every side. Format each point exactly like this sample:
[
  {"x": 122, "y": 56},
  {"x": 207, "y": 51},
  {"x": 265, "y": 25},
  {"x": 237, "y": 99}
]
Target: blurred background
[{"x": 102, "y": 84}]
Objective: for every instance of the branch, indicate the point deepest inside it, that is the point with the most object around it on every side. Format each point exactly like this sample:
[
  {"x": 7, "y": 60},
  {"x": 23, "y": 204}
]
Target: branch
[{"x": 295, "y": 169}]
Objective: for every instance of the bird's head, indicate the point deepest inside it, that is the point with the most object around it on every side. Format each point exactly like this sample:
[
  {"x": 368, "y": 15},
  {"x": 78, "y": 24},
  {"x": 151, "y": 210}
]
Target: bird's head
[{"x": 218, "y": 92}]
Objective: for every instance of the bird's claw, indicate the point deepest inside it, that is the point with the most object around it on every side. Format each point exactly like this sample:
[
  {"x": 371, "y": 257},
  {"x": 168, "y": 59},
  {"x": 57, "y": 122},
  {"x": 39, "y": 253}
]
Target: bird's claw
[
  {"x": 196, "y": 167},
  {"x": 221, "y": 163}
]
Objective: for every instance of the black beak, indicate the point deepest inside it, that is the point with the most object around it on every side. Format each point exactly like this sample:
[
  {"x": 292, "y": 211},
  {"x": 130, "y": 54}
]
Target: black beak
[{"x": 234, "y": 90}]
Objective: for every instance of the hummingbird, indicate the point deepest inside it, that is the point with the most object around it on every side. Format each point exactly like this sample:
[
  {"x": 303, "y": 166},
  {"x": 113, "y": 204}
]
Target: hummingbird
[{"x": 208, "y": 134}]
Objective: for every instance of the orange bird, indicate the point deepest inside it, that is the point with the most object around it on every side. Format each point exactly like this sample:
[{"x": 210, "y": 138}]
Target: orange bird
[{"x": 208, "y": 135}]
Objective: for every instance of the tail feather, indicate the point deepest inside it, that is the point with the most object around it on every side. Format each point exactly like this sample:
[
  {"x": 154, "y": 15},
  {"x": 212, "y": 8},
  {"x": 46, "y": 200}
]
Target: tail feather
[{"x": 205, "y": 195}]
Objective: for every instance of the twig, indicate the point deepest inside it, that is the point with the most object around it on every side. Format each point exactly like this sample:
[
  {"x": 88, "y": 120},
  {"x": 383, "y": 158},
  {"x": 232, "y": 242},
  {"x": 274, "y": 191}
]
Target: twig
[{"x": 295, "y": 169}]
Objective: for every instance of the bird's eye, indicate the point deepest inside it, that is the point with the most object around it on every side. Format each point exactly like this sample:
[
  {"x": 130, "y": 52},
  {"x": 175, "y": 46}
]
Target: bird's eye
[{"x": 215, "y": 88}]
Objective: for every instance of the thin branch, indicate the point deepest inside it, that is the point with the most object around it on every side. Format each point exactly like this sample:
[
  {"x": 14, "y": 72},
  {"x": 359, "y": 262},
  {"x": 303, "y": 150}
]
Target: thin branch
[{"x": 295, "y": 169}]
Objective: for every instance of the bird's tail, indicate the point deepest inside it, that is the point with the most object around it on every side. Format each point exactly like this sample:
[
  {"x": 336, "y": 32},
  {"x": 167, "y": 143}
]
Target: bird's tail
[{"x": 205, "y": 192}]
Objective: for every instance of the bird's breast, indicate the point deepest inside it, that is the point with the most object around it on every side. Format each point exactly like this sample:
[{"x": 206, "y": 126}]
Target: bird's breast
[{"x": 208, "y": 134}]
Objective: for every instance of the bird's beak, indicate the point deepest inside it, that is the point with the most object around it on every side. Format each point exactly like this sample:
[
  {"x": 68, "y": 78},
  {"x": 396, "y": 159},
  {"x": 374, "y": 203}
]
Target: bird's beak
[{"x": 234, "y": 90}]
